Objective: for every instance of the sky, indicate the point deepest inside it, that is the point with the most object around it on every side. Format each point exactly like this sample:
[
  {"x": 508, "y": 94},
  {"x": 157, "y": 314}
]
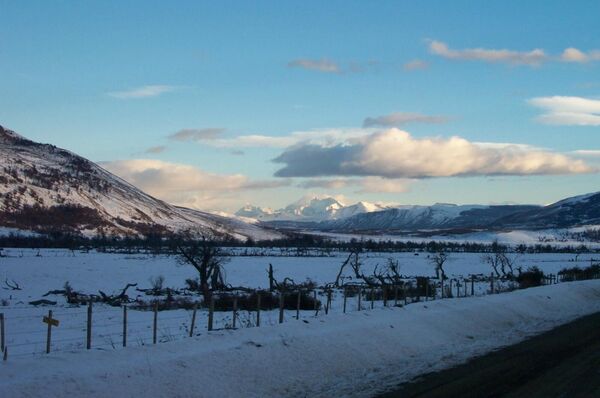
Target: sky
[{"x": 215, "y": 105}]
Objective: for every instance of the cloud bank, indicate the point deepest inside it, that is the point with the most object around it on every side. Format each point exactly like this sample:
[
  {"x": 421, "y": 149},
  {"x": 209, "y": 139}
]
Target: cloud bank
[
  {"x": 396, "y": 154},
  {"x": 186, "y": 185}
]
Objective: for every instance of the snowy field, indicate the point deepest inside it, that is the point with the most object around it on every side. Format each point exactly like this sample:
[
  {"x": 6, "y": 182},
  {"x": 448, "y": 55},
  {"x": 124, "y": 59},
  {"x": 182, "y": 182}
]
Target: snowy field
[
  {"x": 354, "y": 355},
  {"x": 37, "y": 272}
]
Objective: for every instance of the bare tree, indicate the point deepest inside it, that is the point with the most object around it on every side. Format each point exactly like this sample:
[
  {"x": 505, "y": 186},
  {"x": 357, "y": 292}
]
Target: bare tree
[
  {"x": 438, "y": 260},
  {"x": 353, "y": 260},
  {"x": 208, "y": 259},
  {"x": 501, "y": 262}
]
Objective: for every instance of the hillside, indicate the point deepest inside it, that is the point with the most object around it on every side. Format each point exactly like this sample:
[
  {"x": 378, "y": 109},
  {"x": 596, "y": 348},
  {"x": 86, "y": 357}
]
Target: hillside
[{"x": 46, "y": 189}]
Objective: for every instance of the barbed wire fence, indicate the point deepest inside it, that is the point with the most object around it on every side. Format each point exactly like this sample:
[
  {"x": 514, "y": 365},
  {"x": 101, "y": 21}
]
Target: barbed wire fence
[{"x": 102, "y": 327}]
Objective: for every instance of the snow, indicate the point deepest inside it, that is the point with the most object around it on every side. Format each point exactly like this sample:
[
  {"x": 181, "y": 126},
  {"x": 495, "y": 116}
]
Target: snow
[
  {"x": 309, "y": 208},
  {"x": 38, "y": 272},
  {"x": 354, "y": 355},
  {"x": 557, "y": 237}
]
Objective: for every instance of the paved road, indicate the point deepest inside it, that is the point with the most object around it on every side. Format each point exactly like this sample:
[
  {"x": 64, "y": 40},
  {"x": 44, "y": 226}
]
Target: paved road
[{"x": 564, "y": 362}]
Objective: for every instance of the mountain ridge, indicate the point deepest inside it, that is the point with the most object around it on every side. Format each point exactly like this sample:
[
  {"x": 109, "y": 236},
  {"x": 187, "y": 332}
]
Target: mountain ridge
[{"x": 45, "y": 189}]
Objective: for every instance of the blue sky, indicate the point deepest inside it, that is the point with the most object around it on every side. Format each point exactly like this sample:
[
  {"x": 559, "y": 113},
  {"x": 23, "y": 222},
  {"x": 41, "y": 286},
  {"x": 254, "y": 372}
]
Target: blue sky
[{"x": 110, "y": 80}]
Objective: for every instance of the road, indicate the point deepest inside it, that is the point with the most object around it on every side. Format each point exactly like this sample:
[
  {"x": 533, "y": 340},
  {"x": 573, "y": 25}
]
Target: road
[{"x": 564, "y": 362}]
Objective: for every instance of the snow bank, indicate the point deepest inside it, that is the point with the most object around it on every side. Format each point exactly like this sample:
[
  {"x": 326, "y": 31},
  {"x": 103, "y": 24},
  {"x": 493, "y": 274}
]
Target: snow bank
[{"x": 355, "y": 354}]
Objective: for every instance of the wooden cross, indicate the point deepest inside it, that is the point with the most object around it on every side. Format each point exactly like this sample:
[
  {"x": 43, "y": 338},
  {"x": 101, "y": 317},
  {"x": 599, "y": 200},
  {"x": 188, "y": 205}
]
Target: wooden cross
[{"x": 51, "y": 322}]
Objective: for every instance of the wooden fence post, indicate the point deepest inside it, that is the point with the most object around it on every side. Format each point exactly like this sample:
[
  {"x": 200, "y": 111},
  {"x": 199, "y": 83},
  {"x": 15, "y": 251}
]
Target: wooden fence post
[
  {"x": 345, "y": 299},
  {"x": 405, "y": 293},
  {"x": 155, "y": 322},
  {"x": 89, "y": 326},
  {"x": 281, "y": 305},
  {"x": 359, "y": 298},
  {"x": 492, "y": 282},
  {"x": 211, "y": 311},
  {"x": 457, "y": 289},
  {"x": 472, "y": 285},
  {"x": 328, "y": 301},
  {"x": 384, "y": 293},
  {"x": 193, "y": 324},
  {"x": 124, "y": 326},
  {"x": 395, "y": 295},
  {"x": 316, "y": 302},
  {"x": 465, "y": 283},
  {"x": 442, "y": 286},
  {"x": 450, "y": 288},
  {"x": 426, "y": 289},
  {"x": 257, "y": 308},
  {"x": 235, "y": 310},
  {"x": 372, "y": 297},
  {"x": 298, "y": 302},
  {"x": 49, "y": 334},
  {"x": 2, "y": 338}
]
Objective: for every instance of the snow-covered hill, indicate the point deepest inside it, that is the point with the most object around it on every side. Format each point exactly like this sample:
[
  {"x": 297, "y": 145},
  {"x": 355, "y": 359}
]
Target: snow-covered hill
[
  {"x": 45, "y": 188},
  {"x": 309, "y": 209},
  {"x": 575, "y": 211}
]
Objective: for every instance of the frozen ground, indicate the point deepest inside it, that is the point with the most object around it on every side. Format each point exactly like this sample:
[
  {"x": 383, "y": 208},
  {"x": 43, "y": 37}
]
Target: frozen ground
[
  {"x": 37, "y": 272},
  {"x": 352, "y": 354}
]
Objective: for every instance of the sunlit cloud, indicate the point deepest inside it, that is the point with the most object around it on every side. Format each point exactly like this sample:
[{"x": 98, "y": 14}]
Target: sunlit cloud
[
  {"x": 396, "y": 154},
  {"x": 187, "y": 185}
]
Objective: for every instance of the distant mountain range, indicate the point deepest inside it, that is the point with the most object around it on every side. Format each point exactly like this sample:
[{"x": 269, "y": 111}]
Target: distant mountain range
[
  {"x": 313, "y": 209},
  {"x": 327, "y": 214},
  {"x": 45, "y": 189}
]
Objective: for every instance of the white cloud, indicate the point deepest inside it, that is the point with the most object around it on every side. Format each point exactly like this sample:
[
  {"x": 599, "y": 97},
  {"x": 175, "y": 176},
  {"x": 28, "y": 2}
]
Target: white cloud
[
  {"x": 326, "y": 137},
  {"x": 320, "y": 65},
  {"x": 398, "y": 119},
  {"x": 534, "y": 57},
  {"x": 143, "y": 92},
  {"x": 396, "y": 154},
  {"x": 210, "y": 133},
  {"x": 364, "y": 185},
  {"x": 564, "y": 110},
  {"x": 186, "y": 185},
  {"x": 572, "y": 54},
  {"x": 592, "y": 153},
  {"x": 415, "y": 64}
]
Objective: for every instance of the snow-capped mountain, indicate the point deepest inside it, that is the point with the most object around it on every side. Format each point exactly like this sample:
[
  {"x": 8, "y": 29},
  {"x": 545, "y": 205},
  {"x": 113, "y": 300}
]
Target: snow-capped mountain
[
  {"x": 45, "y": 188},
  {"x": 576, "y": 211},
  {"x": 309, "y": 209}
]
